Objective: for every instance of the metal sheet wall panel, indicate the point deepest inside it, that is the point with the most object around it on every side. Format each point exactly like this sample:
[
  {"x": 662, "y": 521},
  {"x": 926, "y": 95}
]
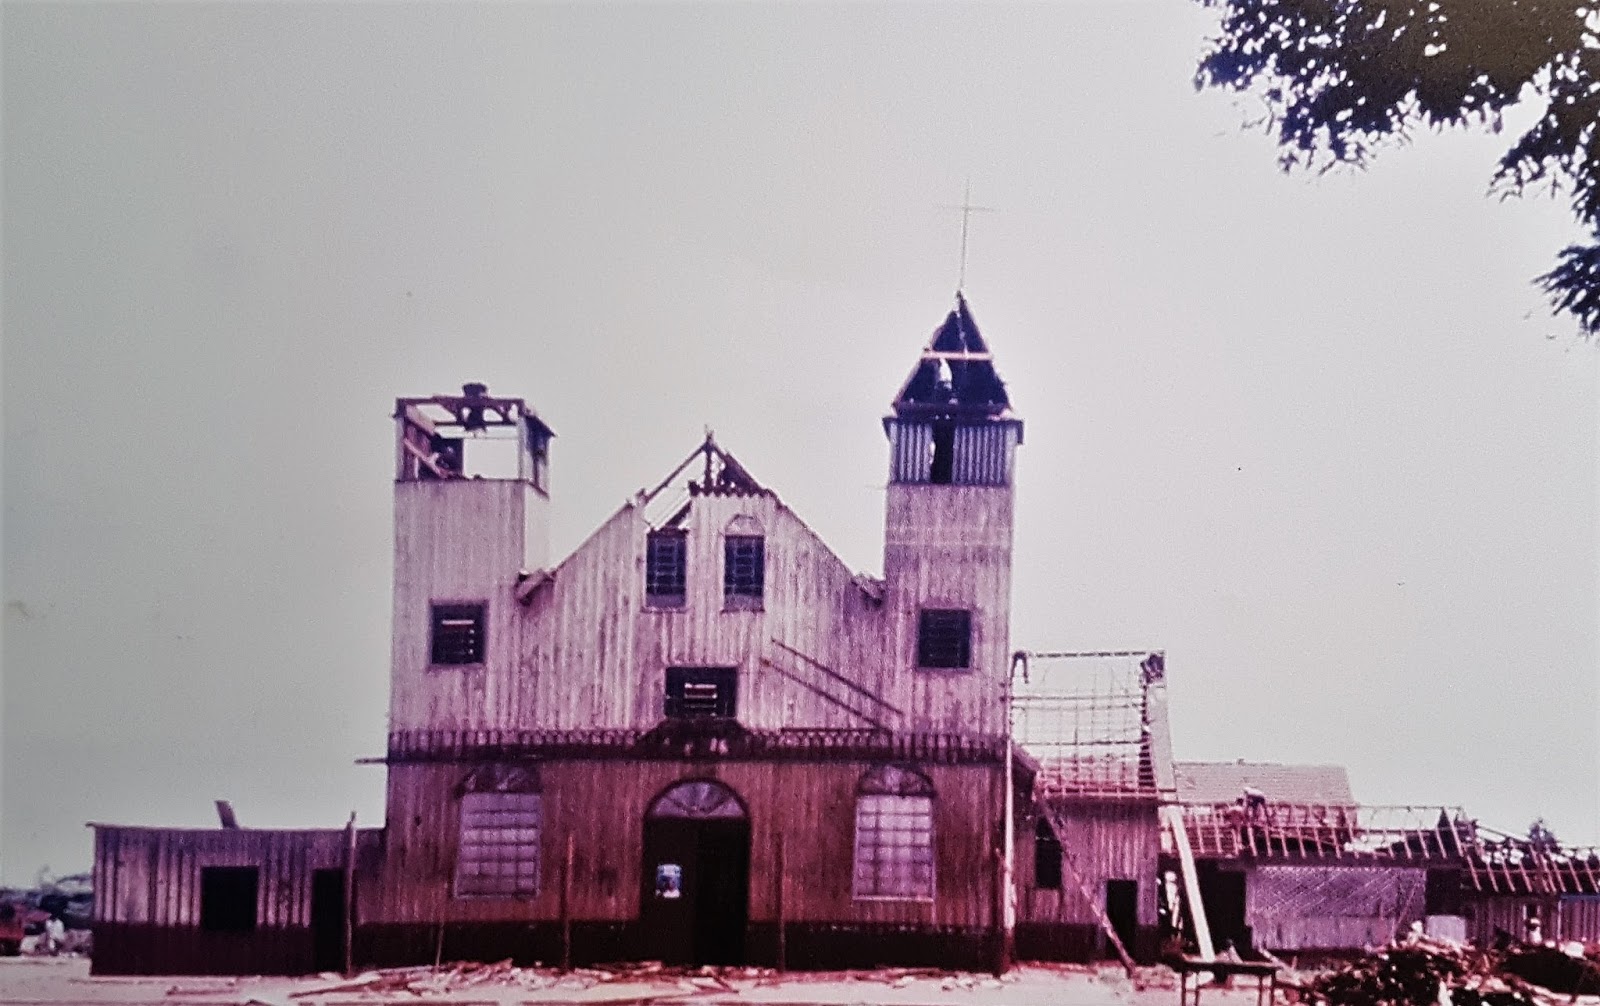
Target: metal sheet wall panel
[{"x": 910, "y": 445}]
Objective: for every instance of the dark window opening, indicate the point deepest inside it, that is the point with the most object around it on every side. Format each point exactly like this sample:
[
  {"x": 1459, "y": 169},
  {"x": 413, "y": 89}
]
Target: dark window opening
[
  {"x": 228, "y": 898},
  {"x": 1442, "y": 893},
  {"x": 942, "y": 469},
  {"x": 743, "y": 568},
  {"x": 1046, "y": 857},
  {"x": 666, "y": 569},
  {"x": 944, "y": 638},
  {"x": 458, "y": 636},
  {"x": 697, "y": 692}
]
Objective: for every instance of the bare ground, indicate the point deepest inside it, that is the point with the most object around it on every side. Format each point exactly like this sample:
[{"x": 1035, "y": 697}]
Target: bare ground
[{"x": 66, "y": 982}]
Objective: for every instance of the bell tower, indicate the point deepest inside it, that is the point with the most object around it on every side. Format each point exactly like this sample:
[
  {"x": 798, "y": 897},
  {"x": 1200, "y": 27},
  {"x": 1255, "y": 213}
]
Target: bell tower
[
  {"x": 948, "y": 531},
  {"x": 471, "y": 506}
]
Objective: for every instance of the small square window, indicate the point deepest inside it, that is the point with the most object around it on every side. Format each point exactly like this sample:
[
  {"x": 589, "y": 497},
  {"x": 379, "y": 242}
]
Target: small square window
[
  {"x": 700, "y": 692},
  {"x": 458, "y": 634},
  {"x": 944, "y": 638},
  {"x": 228, "y": 898},
  {"x": 666, "y": 569},
  {"x": 743, "y": 568}
]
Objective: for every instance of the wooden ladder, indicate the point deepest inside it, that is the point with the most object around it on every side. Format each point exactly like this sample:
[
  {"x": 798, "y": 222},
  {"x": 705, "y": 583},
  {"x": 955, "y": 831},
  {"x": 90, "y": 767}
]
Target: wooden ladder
[
  {"x": 1172, "y": 816},
  {"x": 1088, "y": 896}
]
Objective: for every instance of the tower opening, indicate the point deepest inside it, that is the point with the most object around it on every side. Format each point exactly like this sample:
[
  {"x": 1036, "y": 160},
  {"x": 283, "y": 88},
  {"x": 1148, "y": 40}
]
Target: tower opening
[{"x": 941, "y": 468}]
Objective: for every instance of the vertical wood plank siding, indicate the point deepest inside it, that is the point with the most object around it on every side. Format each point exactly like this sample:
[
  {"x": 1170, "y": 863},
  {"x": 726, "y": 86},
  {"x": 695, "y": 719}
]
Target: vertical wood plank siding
[
  {"x": 151, "y": 876},
  {"x": 1506, "y": 912},
  {"x": 602, "y": 805},
  {"x": 1578, "y": 918},
  {"x": 1107, "y": 841},
  {"x": 456, "y": 541},
  {"x": 587, "y": 653},
  {"x": 948, "y": 546}
]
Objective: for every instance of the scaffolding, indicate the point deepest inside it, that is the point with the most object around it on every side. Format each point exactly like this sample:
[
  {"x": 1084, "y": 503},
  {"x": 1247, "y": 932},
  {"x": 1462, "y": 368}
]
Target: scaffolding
[{"x": 1095, "y": 723}]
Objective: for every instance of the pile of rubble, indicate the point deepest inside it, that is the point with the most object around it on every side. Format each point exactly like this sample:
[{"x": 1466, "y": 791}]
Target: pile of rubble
[
  {"x": 667, "y": 982},
  {"x": 1423, "y": 972},
  {"x": 455, "y": 977}
]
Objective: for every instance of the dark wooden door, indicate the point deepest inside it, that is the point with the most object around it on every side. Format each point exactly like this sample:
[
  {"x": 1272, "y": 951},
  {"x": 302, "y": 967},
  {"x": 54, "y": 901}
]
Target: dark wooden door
[
  {"x": 695, "y": 881},
  {"x": 1122, "y": 909},
  {"x": 667, "y": 905},
  {"x": 327, "y": 920},
  {"x": 722, "y": 891}
]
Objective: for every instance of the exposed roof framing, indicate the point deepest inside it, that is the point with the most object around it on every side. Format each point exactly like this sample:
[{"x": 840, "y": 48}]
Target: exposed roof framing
[
  {"x": 955, "y": 374},
  {"x": 1096, "y": 724},
  {"x": 1506, "y": 864},
  {"x": 1490, "y": 862},
  {"x": 720, "y": 474},
  {"x": 1329, "y": 832}
]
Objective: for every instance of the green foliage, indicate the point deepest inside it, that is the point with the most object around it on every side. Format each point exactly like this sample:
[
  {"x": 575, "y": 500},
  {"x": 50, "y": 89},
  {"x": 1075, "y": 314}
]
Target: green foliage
[{"x": 1342, "y": 77}]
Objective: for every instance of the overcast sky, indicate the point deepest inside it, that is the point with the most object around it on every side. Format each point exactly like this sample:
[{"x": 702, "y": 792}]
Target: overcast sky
[{"x": 1318, "y": 438}]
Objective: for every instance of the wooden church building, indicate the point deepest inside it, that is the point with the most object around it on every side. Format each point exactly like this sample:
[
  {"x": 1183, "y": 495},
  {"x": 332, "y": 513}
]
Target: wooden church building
[{"x": 699, "y": 738}]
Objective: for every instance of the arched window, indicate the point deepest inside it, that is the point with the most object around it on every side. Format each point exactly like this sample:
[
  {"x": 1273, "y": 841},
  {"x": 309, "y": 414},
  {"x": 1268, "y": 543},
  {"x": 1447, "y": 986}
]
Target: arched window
[
  {"x": 894, "y": 834},
  {"x": 502, "y": 821},
  {"x": 697, "y": 798}
]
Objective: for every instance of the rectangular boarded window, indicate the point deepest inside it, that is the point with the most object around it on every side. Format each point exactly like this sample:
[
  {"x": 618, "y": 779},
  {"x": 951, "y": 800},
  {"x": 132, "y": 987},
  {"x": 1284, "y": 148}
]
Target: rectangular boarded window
[
  {"x": 894, "y": 847},
  {"x": 458, "y": 634},
  {"x": 744, "y": 569},
  {"x": 944, "y": 638},
  {"x": 694, "y": 692},
  {"x": 228, "y": 897},
  {"x": 499, "y": 852},
  {"x": 666, "y": 569}
]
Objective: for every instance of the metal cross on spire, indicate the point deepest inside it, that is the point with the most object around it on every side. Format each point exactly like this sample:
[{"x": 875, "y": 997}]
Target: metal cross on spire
[{"x": 967, "y": 210}]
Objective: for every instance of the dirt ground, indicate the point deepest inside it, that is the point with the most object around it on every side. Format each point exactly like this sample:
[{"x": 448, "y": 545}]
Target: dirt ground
[{"x": 62, "y": 981}]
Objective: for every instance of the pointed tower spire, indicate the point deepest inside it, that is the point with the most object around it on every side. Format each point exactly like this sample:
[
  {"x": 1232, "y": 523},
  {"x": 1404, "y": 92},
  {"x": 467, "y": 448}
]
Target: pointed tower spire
[{"x": 955, "y": 374}]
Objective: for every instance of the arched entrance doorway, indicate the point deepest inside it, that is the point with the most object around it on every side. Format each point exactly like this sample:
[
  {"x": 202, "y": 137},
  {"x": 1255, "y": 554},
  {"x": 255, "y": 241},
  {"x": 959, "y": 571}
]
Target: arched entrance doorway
[{"x": 695, "y": 899}]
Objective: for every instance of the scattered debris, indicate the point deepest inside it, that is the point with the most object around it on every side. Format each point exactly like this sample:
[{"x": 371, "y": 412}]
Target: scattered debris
[{"x": 1430, "y": 972}]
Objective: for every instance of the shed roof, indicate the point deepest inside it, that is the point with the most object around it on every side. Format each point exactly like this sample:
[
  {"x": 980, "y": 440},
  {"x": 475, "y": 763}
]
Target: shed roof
[{"x": 1206, "y": 782}]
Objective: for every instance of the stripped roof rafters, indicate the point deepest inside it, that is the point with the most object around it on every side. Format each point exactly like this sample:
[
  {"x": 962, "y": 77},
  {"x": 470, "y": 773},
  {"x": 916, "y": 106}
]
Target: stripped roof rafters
[
  {"x": 955, "y": 374},
  {"x": 719, "y": 474},
  {"x": 1489, "y": 862}
]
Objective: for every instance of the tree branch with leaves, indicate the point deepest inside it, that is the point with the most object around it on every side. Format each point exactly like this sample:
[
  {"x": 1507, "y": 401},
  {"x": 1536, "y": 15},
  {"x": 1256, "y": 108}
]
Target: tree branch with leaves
[{"x": 1340, "y": 78}]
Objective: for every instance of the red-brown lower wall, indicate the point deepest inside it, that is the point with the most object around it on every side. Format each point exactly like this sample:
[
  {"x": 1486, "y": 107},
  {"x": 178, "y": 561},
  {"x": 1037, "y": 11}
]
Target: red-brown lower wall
[
  {"x": 1079, "y": 943},
  {"x": 142, "y": 949},
  {"x": 123, "y": 949}
]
